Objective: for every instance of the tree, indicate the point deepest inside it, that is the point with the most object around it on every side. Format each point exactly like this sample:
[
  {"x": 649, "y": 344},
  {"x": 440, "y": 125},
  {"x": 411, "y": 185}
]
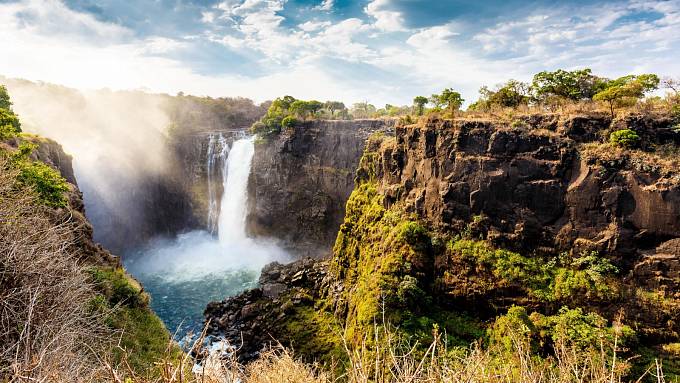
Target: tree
[
  {"x": 363, "y": 110},
  {"x": 449, "y": 99},
  {"x": 672, "y": 84},
  {"x": 5, "y": 102},
  {"x": 627, "y": 90},
  {"x": 573, "y": 85},
  {"x": 9, "y": 124},
  {"x": 419, "y": 104},
  {"x": 333, "y": 106},
  {"x": 509, "y": 95}
]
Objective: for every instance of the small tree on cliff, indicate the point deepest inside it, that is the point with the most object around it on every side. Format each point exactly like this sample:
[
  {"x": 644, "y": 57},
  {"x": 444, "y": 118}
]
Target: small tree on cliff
[
  {"x": 419, "y": 104},
  {"x": 627, "y": 90},
  {"x": 448, "y": 99},
  {"x": 574, "y": 85},
  {"x": 333, "y": 106}
]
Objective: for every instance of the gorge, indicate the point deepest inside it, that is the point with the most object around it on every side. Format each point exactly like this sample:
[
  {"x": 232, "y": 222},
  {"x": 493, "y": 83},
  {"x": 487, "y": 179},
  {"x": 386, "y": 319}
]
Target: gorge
[{"x": 456, "y": 229}]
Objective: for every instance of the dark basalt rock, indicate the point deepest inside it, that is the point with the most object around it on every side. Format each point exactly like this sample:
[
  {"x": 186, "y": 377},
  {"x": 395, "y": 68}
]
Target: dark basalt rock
[
  {"x": 537, "y": 189},
  {"x": 301, "y": 179}
]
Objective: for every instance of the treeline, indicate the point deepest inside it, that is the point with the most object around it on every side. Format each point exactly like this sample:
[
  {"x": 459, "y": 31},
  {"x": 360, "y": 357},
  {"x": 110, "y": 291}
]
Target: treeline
[
  {"x": 548, "y": 90},
  {"x": 190, "y": 114}
]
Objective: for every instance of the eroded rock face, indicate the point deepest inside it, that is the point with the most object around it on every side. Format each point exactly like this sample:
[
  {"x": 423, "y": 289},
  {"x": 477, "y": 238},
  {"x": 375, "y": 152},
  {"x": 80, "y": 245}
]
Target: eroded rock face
[
  {"x": 256, "y": 319},
  {"x": 540, "y": 188},
  {"x": 301, "y": 179}
]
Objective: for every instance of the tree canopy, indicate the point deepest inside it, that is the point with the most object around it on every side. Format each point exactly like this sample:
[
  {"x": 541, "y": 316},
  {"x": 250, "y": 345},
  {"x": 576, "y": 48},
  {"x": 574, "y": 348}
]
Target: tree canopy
[{"x": 574, "y": 85}]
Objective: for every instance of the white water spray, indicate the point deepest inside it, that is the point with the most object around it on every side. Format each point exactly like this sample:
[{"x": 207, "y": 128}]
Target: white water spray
[
  {"x": 233, "y": 207},
  {"x": 198, "y": 254},
  {"x": 218, "y": 150}
]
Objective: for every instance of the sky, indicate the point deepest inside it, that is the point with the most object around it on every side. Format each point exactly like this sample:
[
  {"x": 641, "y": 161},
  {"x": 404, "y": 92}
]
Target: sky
[{"x": 380, "y": 51}]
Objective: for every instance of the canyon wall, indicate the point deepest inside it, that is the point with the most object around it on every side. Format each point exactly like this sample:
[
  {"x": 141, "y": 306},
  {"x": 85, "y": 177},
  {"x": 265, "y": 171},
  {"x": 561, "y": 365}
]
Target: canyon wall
[
  {"x": 301, "y": 179},
  {"x": 452, "y": 222}
]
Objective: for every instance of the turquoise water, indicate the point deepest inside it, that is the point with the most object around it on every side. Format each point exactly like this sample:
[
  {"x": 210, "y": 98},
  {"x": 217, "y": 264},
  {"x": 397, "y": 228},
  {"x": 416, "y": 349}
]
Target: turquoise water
[
  {"x": 180, "y": 303},
  {"x": 184, "y": 274}
]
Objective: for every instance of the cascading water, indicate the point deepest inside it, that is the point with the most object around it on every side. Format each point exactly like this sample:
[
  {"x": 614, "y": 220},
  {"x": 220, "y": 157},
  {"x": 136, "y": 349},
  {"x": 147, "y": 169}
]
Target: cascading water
[
  {"x": 184, "y": 274},
  {"x": 232, "y": 219},
  {"x": 218, "y": 150}
]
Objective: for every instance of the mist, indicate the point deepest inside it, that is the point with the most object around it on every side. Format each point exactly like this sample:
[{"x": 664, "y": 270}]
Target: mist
[{"x": 117, "y": 140}]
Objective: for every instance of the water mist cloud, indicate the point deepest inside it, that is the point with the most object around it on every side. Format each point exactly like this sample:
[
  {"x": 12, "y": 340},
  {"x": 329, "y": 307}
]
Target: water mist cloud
[{"x": 117, "y": 140}]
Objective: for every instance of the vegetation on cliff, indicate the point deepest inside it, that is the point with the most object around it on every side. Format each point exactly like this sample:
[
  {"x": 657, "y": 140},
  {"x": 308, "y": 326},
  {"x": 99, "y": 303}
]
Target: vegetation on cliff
[{"x": 69, "y": 312}]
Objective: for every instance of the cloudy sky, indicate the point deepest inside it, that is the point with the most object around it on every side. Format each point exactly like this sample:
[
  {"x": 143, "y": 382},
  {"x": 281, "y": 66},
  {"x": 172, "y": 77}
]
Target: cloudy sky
[{"x": 382, "y": 51}]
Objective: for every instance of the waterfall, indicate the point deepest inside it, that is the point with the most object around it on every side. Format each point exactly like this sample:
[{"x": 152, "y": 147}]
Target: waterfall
[
  {"x": 218, "y": 150},
  {"x": 235, "y": 173},
  {"x": 183, "y": 274}
]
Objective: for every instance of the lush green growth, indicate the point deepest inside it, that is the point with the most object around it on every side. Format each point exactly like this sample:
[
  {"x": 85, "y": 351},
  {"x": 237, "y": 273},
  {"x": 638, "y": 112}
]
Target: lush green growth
[
  {"x": 419, "y": 104},
  {"x": 625, "y": 138},
  {"x": 9, "y": 122},
  {"x": 448, "y": 99},
  {"x": 561, "y": 279},
  {"x": 626, "y": 90},
  {"x": 572, "y": 85},
  {"x": 509, "y": 95},
  {"x": 46, "y": 181},
  {"x": 586, "y": 331},
  {"x": 284, "y": 112},
  {"x": 144, "y": 339}
]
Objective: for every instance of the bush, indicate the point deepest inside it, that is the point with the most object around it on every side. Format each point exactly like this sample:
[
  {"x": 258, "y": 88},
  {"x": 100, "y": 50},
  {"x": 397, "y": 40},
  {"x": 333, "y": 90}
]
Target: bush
[
  {"x": 625, "y": 138},
  {"x": 9, "y": 124},
  {"x": 289, "y": 122}
]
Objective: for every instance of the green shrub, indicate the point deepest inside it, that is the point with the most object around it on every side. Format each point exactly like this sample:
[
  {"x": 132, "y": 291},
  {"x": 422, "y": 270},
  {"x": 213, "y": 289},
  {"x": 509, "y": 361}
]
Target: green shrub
[
  {"x": 289, "y": 122},
  {"x": 9, "y": 124},
  {"x": 47, "y": 182},
  {"x": 625, "y": 138}
]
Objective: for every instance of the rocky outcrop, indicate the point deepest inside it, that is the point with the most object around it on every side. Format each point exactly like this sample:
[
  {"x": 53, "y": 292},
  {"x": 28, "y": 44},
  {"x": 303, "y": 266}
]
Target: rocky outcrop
[
  {"x": 545, "y": 188},
  {"x": 301, "y": 179},
  {"x": 254, "y": 319}
]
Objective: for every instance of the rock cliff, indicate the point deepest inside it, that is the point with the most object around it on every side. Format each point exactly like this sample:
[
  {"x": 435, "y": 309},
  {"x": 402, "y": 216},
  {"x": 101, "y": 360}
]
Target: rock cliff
[
  {"x": 301, "y": 179},
  {"x": 451, "y": 222}
]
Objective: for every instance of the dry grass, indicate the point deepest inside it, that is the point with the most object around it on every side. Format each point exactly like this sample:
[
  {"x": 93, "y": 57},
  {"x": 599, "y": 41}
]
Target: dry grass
[
  {"x": 46, "y": 332},
  {"x": 393, "y": 360}
]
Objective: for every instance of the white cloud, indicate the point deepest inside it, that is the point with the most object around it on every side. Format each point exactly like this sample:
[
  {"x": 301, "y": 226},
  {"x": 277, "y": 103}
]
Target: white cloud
[
  {"x": 311, "y": 26},
  {"x": 326, "y": 5},
  {"x": 439, "y": 35},
  {"x": 311, "y": 60},
  {"x": 385, "y": 19},
  {"x": 207, "y": 17}
]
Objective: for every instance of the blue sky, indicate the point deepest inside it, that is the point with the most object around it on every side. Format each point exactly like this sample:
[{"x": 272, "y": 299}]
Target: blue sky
[{"x": 382, "y": 51}]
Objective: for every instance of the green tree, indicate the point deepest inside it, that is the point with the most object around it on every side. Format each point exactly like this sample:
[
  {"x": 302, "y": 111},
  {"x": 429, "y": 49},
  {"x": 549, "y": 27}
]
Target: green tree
[
  {"x": 334, "y": 106},
  {"x": 5, "y": 102},
  {"x": 419, "y": 104},
  {"x": 627, "y": 90},
  {"x": 448, "y": 99},
  {"x": 363, "y": 110},
  {"x": 509, "y": 95},
  {"x": 573, "y": 85}
]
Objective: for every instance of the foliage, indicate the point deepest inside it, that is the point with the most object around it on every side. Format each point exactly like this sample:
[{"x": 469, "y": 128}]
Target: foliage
[
  {"x": 124, "y": 305},
  {"x": 362, "y": 110},
  {"x": 626, "y": 90},
  {"x": 447, "y": 99},
  {"x": 561, "y": 279},
  {"x": 625, "y": 138},
  {"x": 5, "y": 102},
  {"x": 9, "y": 122},
  {"x": 573, "y": 85},
  {"x": 509, "y": 95},
  {"x": 419, "y": 104},
  {"x": 285, "y": 111},
  {"x": 48, "y": 183},
  {"x": 289, "y": 122}
]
